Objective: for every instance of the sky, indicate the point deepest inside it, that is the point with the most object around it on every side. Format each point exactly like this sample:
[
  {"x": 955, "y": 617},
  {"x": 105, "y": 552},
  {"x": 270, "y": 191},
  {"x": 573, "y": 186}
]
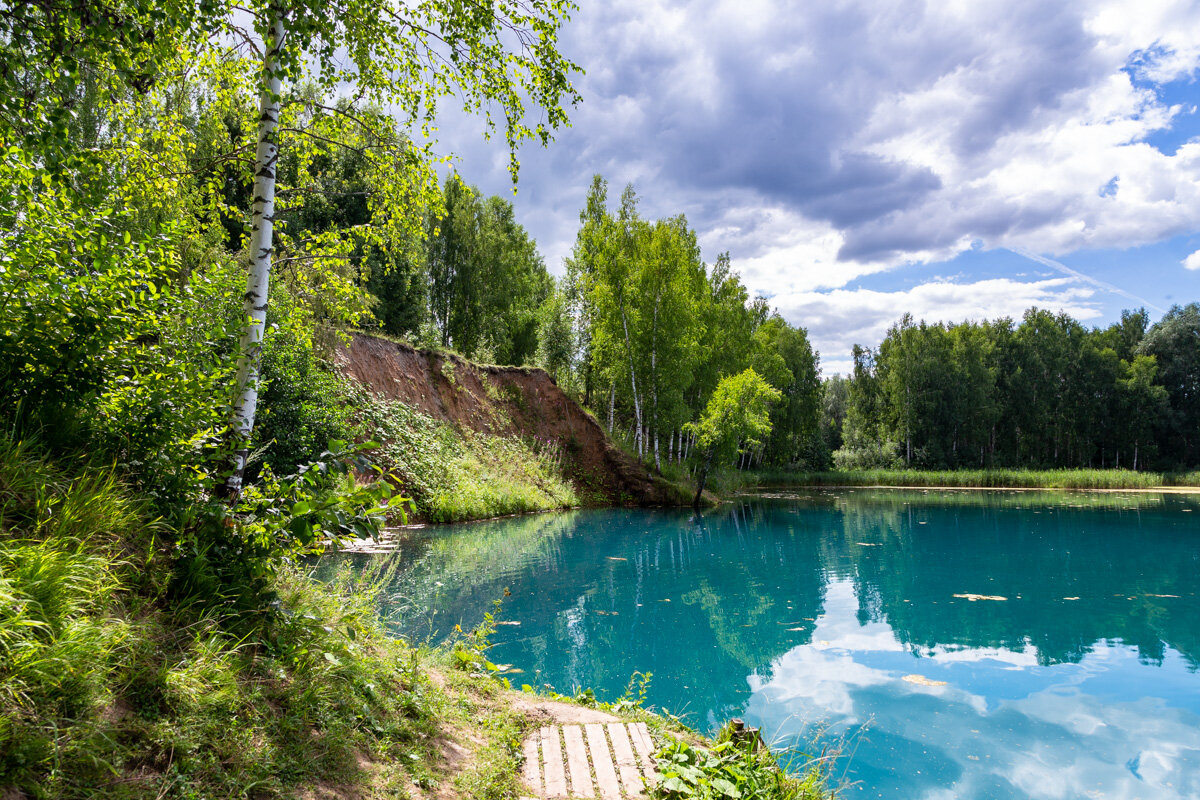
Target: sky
[{"x": 959, "y": 160}]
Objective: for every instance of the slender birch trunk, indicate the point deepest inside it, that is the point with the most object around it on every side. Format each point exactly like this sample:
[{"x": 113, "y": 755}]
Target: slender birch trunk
[
  {"x": 637, "y": 406},
  {"x": 654, "y": 375},
  {"x": 612, "y": 404},
  {"x": 262, "y": 241}
]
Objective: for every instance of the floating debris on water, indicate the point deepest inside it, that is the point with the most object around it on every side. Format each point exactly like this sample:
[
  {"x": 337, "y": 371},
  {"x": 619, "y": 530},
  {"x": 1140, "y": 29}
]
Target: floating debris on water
[
  {"x": 921, "y": 680},
  {"x": 974, "y": 597}
]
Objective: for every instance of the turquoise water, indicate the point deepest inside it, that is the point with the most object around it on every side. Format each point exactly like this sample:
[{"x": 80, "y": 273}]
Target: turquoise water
[{"x": 953, "y": 645}]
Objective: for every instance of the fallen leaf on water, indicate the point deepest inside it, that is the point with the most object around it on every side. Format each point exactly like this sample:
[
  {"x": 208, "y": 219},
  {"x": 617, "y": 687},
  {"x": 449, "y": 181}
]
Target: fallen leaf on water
[
  {"x": 974, "y": 597},
  {"x": 921, "y": 680}
]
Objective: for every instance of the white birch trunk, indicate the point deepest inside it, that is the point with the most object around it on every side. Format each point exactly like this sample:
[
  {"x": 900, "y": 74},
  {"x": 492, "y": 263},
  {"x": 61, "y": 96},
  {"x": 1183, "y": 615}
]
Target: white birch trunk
[
  {"x": 262, "y": 241},
  {"x": 612, "y": 403},
  {"x": 637, "y": 405},
  {"x": 654, "y": 376}
]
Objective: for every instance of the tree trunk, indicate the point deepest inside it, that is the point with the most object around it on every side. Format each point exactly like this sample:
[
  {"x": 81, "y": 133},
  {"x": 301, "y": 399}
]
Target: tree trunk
[
  {"x": 703, "y": 477},
  {"x": 637, "y": 406},
  {"x": 262, "y": 242},
  {"x": 612, "y": 402}
]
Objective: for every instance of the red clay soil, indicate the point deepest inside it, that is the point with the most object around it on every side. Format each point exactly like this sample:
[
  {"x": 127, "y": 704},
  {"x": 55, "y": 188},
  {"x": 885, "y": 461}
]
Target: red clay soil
[{"x": 505, "y": 401}]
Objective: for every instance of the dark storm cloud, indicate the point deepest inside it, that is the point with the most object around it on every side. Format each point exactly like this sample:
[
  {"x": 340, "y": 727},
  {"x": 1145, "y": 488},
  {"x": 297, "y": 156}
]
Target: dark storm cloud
[{"x": 710, "y": 105}]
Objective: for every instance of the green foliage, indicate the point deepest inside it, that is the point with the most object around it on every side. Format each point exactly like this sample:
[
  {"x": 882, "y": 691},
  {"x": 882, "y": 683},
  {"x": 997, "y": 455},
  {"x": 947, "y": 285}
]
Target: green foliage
[
  {"x": 233, "y": 556},
  {"x": 469, "y": 651},
  {"x": 737, "y": 415},
  {"x": 487, "y": 280},
  {"x": 304, "y": 406},
  {"x": 556, "y": 339},
  {"x": 1173, "y": 343},
  {"x": 732, "y": 769},
  {"x": 456, "y": 474},
  {"x": 1043, "y": 393},
  {"x": 657, "y": 330},
  {"x": 984, "y": 479},
  {"x": 109, "y": 691}
]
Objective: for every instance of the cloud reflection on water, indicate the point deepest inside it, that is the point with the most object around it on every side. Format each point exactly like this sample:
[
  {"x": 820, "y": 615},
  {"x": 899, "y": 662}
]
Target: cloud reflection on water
[{"x": 1060, "y": 741}]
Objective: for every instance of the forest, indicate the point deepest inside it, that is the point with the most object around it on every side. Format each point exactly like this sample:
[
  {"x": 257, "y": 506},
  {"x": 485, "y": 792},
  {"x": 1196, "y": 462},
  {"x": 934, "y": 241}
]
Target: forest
[
  {"x": 1046, "y": 392},
  {"x": 202, "y": 203}
]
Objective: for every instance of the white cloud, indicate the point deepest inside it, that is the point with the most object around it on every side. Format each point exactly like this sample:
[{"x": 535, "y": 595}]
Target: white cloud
[
  {"x": 1055, "y": 741},
  {"x": 824, "y": 143},
  {"x": 1192, "y": 261}
]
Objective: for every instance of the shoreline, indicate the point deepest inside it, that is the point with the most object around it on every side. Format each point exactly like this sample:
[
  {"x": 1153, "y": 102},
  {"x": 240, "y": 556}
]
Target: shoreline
[{"x": 1140, "y": 490}]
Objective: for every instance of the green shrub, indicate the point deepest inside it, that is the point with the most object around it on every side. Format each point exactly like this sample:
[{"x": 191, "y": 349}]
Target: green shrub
[
  {"x": 110, "y": 689},
  {"x": 731, "y": 769},
  {"x": 456, "y": 474}
]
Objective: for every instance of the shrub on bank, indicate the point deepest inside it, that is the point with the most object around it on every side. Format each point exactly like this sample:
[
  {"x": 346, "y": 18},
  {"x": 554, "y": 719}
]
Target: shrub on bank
[
  {"x": 455, "y": 474},
  {"x": 112, "y": 687}
]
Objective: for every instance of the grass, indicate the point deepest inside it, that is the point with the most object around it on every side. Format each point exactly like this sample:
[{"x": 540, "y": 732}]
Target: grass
[
  {"x": 456, "y": 474},
  {"x": 990, "y": 479},
  {"x": 110, "y": 690},
  {"x": 111, "y": 687}
]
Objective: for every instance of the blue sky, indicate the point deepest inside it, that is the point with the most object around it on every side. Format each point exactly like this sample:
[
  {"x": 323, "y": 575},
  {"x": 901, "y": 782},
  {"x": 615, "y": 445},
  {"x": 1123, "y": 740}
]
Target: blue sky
[{"x": 862, "y": 158}]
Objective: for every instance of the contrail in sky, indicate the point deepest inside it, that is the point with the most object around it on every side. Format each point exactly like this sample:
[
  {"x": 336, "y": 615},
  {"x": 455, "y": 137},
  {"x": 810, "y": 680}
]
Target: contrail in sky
[{"x": 1108, "y": 287}]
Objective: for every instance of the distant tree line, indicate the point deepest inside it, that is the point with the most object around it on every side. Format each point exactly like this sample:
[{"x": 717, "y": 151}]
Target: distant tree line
[{"x": 1045, "y": 392}]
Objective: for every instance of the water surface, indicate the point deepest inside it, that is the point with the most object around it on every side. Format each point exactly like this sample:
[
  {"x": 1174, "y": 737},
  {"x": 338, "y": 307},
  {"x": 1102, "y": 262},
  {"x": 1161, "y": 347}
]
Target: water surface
[{"x": 957, "y": 644}]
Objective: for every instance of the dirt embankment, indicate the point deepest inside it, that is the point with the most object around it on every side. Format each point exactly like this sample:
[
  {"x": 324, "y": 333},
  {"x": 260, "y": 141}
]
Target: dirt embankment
[{"x": 507, "y": 401}]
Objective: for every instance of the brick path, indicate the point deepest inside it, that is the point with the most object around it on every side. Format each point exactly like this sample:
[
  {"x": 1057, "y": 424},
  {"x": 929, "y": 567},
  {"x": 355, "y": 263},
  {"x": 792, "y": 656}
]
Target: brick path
[{"x": 608, "y": 761}]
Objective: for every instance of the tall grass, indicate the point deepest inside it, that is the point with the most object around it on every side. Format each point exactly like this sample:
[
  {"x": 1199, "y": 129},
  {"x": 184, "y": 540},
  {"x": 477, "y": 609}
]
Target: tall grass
[
  {"x": 991, "y": 479},
  {"x": 110, "y": 688},
  {"x": 456, "y": 474}
]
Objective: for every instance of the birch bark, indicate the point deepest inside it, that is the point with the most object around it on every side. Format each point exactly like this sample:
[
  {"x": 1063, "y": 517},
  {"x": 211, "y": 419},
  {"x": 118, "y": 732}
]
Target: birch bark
[
  {"x": 637, "y": 405},
  {"x": 261, "y": 245}
]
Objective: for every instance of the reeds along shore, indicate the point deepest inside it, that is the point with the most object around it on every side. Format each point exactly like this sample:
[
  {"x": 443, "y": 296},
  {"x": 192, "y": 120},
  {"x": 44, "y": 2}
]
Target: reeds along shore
[{"x": 983, "y": 479}]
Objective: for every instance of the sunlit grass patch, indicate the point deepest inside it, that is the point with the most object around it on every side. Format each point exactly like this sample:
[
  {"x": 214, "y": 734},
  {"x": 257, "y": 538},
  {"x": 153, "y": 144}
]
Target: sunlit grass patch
[
  {"x": 457, "y": 475},
  {"x": 991, "y": 478}
]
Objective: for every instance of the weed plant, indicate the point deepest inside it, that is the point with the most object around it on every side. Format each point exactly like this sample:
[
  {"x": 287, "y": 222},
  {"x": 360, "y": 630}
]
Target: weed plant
[
  {"x": 110, "y": 687},
  {"x": 456, "y": 474},
  {"x": 734, "y": 767}
]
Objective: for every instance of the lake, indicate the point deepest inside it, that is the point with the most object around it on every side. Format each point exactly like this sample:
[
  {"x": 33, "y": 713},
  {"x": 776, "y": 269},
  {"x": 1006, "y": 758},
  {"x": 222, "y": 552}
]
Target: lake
[{"x": 950, "y": 644}]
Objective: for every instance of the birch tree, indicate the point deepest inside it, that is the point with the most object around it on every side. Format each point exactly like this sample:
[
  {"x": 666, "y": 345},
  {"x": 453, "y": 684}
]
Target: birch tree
[{"x": 494, "y": 58}]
